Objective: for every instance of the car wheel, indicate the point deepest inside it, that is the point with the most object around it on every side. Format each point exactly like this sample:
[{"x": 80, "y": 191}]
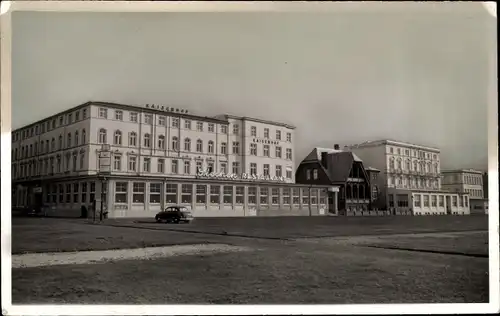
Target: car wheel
[
  {"x": 176, "y": 220},
  {"x": 157, "y": 219}
]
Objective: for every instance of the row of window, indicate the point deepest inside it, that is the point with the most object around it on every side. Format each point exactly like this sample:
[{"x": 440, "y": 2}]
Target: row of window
[
  {"x": 187, "y": 167},
  {"x": 414, "y": 153},
  {"x": 49, "y": 165},
  {"x": 50, "y": 125},
  {"x": 475, "y": 193},
  {"x": 44, "y": 146},
  {"x": 147, "y": 143},
  {"x": 422, "y": 166},
  {"x": 148, "y": 119},
  {"x": 475, "y": 180},
  {"x": 406, "y": 182},
  {"x": 455, "y": 200}
]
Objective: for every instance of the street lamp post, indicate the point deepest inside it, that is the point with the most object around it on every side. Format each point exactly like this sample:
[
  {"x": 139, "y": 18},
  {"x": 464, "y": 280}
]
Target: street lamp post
[{"x": 104, "y": 169}]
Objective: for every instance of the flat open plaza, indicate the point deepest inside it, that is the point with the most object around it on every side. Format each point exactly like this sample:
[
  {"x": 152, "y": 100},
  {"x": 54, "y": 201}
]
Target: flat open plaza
[{"x": 329, "y": 260}]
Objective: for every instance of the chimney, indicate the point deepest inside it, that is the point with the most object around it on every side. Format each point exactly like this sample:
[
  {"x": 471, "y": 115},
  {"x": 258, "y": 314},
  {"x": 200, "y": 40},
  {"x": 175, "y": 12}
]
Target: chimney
[
  {"x": 336, "y": 147},
  {"x": 324, "y": 157}
]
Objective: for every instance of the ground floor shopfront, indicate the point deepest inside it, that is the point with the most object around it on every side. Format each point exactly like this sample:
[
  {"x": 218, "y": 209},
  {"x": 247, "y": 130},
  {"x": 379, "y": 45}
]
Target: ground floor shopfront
[{"x": 144, "y": 197}]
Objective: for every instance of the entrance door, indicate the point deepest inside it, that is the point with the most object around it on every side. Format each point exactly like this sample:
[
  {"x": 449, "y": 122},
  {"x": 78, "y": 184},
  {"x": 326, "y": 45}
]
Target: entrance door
[
  {"x": 331, "y": 203},
  {"x": 448, "y": 205}
]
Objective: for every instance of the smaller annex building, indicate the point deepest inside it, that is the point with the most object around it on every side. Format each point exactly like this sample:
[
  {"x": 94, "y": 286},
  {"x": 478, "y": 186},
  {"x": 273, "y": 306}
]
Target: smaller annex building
[{"x": 343, "y": 170}]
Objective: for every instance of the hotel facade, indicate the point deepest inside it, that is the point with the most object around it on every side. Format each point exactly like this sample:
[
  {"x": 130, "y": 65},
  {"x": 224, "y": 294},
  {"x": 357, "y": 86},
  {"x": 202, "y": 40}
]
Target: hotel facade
[
  {"x": 410, "y": 178},
  {"x": 468, "y": 181},
  {"x": 139, "y": 160}
]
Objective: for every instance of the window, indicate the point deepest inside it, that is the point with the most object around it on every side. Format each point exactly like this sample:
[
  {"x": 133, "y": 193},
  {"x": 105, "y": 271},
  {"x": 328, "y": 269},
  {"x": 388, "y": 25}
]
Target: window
[
  {"x": 460, "y": 201},
  {"x": 278, "y": 135},
  {"x": 132, "y": 163},
  {"x": 211, "y": 127},
  {"x": 210, "y": 147},
  {"x": 199, "y": 166},
  {"x": 236, "y": 129},
  {"x": 214, "y": 194},
  {"x": 76, "y": 140},
  {"x": 161, "y": 120},
  {"x": 68, "y": 193},
  {"x": 236, "y": 148},
  {"x": 308, "y": 174},
  {"x": 175, "y": 143},
  {"x": 187, "y": 144},
  {"x": 441, "y": 201},
  {"x": 84, "y": 137},
  {"x": 171, "y": 193},
  {"x": 60, "y": 142},
  {"x": 466, "y": 201},
  {"x": 119, "y": 115},
  {"x": 288, "y": 173},
  {"x": 175, "y": 166},
  {"x": 253, "y": 131},
  {"x": 121, "y": 192},
  {"x": 266, "y": 170},
  {"x": 147, "y": 165},
  {"x": 223, "y": 167},
  {"x": 67, "y": 161},
  {"x": 117, "y": 162},
  {"x": 210, "y": 166},
  {"x": 82, "y": 159},
  {"x": 266, "y": 150},
  {"x": 103, "y": 113},
  {"x": 264, "y": 195},
  {"x": 315, "y": 174},
  {"x": 417, "y": 200},
  {"x": 253, "y": 149},
  {"x": 305, "y": 196},
  {"x": 286, "y": 196},
  {"x": 289, "y": 153},
  {"x": 199, "y": 146},
  {"x": 76, "y": 194},
  {"x": 147, "y": 140},
  {"x": 155, "y": 193},
  {"x": 266, "y": 132},
  {"x": 161, "y": 165},
  {"x": 175, "y": 122},
  {"x": 240, "y": 194},
  {"x": 252, "y": 195},
  {"x": 236, "y": 167},
  {"x": 138, "y": 192},
  {"x": 223, "y": 148},
  {"x": 253, "y": 168},
  {"x": 434, "y": 201},
  {"x": 278, "y": 152},
  {"x": 118, "y": 138},
  {"x": 61, "y": 193},
  {"x": 187, "y": 167},
  {"x": 186, "y": 193},
  {"x": 228, "y": 194},
  {"x": 454, "y": 201},
  {"x": 77, "y": 118},
  {"x": 223, "y": 129},
  {"x": 148, "y": 119},
  {"x": 133, "y": 117},
  {"x": 161, "y": 142},
  {"x": 201, "y": 194},
  {"x": 84, "y": 192},
  {"x": 199, "y": 126},
  {"x": 102, "y": 136},
  {"x": 275, "y": 196},
  {"x": 187, "y": 124},
  {"x": 426, "y": 201}
]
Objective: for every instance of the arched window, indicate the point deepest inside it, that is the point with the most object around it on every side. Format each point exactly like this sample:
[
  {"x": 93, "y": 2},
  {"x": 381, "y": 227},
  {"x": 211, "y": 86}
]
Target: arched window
[
  {"x": 118, "y": 137},
  {"x": 60, "y": 141},
  {"x": 415, "y": 166},
  {"x": 161, "y": 142},
  {"x": 187, "y": 144},
  {"x": 147, "y": 140},
  {"x": 211, "y": 147},
  {"x": 76, "y": 139},
  {"x": 436, "y": 168},
  {"x": 408, "y": 165},
  {"x": 199, "y": 146},
  {"x": 68, "y": 140},
  {"x": 102, "y": 136},
  {"x": 175, "y": 143},
  {"x": 391, "y": 163},
  {"x": 399, "y": 164},
  {"x": 132, "y": 139},
  {"x": 84, "y": 136}
]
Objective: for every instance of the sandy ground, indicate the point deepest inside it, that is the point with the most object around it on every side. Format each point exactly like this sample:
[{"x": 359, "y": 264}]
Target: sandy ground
[{"x": 88, "y": 257}]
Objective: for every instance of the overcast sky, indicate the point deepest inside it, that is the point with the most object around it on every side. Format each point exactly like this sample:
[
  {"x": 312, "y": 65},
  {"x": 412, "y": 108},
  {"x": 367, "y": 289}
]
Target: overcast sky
[{"x": 339, "y": 77}]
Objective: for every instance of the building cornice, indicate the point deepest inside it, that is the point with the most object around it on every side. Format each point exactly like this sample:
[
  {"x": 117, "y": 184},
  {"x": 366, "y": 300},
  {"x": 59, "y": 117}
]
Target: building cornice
[
  {"x": 257, "y": 120},
  {"x": 394, "y": 143}
]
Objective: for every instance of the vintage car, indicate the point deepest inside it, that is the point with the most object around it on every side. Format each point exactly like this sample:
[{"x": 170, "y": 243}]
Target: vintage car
[{"x": 174, "y": 214}]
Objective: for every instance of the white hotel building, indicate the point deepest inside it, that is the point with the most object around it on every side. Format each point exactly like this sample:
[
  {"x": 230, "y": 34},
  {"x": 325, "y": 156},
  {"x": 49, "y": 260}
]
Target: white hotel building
[
  {"x": 151, "y": 157},
  {"x": 410, "y": 178},
  {"x": 468, "y": 181}
]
